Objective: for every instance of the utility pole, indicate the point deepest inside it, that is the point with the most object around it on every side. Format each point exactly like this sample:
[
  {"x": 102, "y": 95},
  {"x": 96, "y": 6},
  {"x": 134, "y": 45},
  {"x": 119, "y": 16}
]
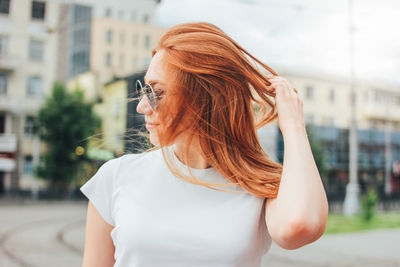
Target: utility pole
[
  {"x": 351, "y": 204},
  {"x": 388, "y": 159}
]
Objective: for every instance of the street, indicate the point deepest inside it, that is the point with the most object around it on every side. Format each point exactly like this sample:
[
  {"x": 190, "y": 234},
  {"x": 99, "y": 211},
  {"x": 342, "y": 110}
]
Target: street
[{"x": 52, "y": 234}]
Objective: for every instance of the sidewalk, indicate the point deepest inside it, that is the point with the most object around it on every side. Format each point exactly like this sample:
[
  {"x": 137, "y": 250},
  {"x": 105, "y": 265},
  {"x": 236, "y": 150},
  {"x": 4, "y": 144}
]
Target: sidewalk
[
  {"x": 52, "y": 234},
  {"x": 368, "y": 248}
]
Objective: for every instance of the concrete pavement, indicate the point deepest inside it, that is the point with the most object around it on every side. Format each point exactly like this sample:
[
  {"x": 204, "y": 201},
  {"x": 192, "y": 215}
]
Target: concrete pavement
[
  {"x": 32, "y": 235},
  {"x": 368, "y": 248},
  {"x": 52, "y": 234}
]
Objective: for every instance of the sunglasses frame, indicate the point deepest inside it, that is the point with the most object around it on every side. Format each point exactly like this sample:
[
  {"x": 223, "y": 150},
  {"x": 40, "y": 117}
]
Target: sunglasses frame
[{"x": 147, "y": 90}]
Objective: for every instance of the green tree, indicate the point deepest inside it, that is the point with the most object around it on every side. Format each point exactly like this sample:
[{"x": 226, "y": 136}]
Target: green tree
[
  {"x": 368, "y": 201},
  {"x": 65, "y": 123}
]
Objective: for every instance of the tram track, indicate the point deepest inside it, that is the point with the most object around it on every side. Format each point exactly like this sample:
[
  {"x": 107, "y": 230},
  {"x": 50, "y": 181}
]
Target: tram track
[{"x": 30, "y": 226}]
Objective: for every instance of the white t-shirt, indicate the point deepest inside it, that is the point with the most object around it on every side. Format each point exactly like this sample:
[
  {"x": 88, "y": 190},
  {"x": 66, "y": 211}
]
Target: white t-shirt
[{"x": 162, "y": 220}]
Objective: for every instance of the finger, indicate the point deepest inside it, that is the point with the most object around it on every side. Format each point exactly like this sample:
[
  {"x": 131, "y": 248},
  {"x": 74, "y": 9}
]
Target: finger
[
  {"x": 281, "y": 90},
  {"x": 274, "y": 80},
  {"x": 286, "y": 84},
  {"x": 285, "y": 90}
]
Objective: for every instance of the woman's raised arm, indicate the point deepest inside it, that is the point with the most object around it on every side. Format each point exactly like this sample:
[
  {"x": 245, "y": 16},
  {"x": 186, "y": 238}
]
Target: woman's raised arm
[{"x": 299, "y": 213}]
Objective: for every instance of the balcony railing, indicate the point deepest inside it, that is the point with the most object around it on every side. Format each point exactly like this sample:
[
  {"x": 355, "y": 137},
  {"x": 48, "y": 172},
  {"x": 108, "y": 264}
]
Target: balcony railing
[
  {"x": 9, "y": 62},
  {"x": 8, "y": 143},
  {"x": 7, "y": 165},
  {"x": 381, "y": 112}
]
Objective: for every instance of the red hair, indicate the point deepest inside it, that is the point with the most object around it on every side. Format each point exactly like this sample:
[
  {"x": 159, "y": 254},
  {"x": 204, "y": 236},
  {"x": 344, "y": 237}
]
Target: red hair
[{"x": 216, "y": 85}]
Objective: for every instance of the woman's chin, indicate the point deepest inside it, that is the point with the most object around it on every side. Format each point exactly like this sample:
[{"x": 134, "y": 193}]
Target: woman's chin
[{"x": 154, "y": 139}]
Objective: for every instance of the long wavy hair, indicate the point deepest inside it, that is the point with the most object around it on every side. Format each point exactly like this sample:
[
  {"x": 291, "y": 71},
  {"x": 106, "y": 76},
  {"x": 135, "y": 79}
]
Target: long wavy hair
[{"x": 221, "y": 97}]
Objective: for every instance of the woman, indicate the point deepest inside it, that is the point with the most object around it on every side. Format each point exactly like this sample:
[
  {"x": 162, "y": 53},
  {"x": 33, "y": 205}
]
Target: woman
[{"x": 210, "y": 196}]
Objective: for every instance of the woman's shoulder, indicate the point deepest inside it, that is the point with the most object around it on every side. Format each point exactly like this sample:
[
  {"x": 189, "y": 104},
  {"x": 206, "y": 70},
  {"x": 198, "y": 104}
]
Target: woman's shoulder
[
  {"x": 130, "y": 159},
  {"x": 139, "y": 156},
  {"x": 135, "y": 165}
]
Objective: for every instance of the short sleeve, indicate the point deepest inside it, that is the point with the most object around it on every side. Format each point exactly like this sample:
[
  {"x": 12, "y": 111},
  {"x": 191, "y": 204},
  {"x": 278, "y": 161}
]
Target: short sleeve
[{"x": 99, "y": 189}]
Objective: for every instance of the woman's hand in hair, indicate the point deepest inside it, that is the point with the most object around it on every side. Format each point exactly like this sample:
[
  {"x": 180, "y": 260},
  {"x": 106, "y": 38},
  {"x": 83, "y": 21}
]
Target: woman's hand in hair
[
  {"x": 298, "y": 215},
  {"x": 288, "y": 104}
]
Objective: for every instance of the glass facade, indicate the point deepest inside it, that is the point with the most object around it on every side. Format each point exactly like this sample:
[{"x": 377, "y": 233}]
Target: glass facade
[
  {"x": 79, "y": 40},
  {"x": 371, "y": 158}
]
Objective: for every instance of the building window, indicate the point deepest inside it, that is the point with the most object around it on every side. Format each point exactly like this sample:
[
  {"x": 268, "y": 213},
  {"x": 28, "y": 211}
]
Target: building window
[
  {"x": 36, "y": 50},
  {"x": 332, "y": 96},
  {"x": 109, "y": 36},
  {"x": 108, "y": 13},
  {"x": 147, "y": 42},
  {"x": 3, "y": 45},
  {"x": 4, "y": 6},
  {"x": 80, "y": 62},
  {"x": 81, "y": 13},
  {"x": 108, "y": 59},
  {"x": 310, "y": 93},
  {"x": 81, "y": 39},
  {"x": 29, "y": 127},
  {"x": 38, "y": 10},
  {"x": 35, "y": 86},
  {"x": 3, "y": 83},
  {"x": 146, "y": 18},
  {"x": 28, "y": 165}
]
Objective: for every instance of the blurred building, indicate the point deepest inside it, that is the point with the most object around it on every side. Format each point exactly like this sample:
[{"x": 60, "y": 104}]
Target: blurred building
[
  {"x": 327, "y": 101},
  {"x": 110, "y": 40},
  {"x": 115, "y": 115},
  {"x": 44, "y": 41},
  {"x": 326, "y": 107},
  {"x": 120, "y": 121},
  {"x": 122, "y": 37},
  {"x": 27, "y": 71}
]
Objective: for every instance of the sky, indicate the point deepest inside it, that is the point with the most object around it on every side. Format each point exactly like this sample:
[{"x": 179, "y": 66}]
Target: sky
[{"x": 305, "y": 36}]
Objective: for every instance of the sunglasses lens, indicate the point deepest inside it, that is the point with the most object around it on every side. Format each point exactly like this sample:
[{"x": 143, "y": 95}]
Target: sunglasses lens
[
  {"x": 150, "y": 95},
  {"x": 148, "y": 91}
]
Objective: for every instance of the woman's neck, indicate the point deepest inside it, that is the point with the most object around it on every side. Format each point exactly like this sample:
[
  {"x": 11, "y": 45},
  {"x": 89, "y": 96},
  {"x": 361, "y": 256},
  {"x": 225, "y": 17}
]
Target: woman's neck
[{"x": 196, "y": 158}]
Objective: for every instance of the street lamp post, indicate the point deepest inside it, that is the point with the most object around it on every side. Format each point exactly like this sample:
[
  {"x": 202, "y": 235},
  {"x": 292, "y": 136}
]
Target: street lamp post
[
  {"x": 352, "y": 202},
  {"x": 388, "y": 158}
]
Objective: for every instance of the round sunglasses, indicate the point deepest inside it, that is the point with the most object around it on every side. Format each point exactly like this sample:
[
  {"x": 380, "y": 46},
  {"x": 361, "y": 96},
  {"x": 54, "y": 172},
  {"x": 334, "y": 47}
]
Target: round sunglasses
[{"x": 147, "y": 90}]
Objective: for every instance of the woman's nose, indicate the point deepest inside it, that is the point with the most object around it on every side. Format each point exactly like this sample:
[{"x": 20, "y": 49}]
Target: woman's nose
[{"x": 144, "y": 106}]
